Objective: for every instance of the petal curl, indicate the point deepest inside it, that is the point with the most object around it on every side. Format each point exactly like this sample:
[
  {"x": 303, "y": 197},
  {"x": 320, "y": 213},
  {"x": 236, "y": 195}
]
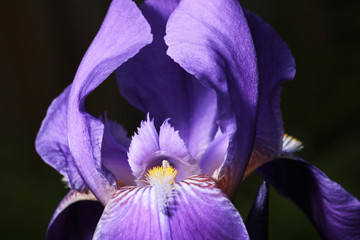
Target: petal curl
[
  {"x": 52, "y": 141},
  {"x": 257, "y": 220},
  {"x": 199, "y": 211},
  {"x": 75, "y": 218},
  {"x": 212, "y": 41},
  {"x": 334, "y": 211},
  {"x": 123, "y": 33},
  {"x": 152, "y": 82}
]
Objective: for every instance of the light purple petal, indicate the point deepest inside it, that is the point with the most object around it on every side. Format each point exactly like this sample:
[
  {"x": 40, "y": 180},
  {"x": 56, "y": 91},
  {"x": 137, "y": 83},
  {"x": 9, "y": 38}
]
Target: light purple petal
[
  {"x": 334, "y": 211},
  {"x": 214, "y": 155},
  {"x": 212, "y": 41},
  {"x": 114, "y": 149},
  {"x": 152, "y": 82},
  {"x": 130, "y": 214},
  {"x": 75, "y": 218},
  {"x": 123, "y": 33},
  {"x": 52, "y": 141},
  {"x": 276, "y": 65},
  {"x": 149, "y": 149},
  {"x": 144, "y": 143},
  {"x": 257, "y": 220},
  {"x": 199, "y": 211}
]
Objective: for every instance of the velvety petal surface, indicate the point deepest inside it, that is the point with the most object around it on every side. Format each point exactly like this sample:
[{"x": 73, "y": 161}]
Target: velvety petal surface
[
  {"x": 52, "y": 141},
  {"x": 123, "y": 33},
  {"x": 212, "y": 41},
  {"x": 334, "y": 211},
  {"x": 152, "y": 82},
  {"x": 276, "y": 65},
  {"x": 199, "y": 210},
  {"x": 114, "y": 149},
  {"x": 149, "y": 149},
  {"x": 75, "y": 218},
  {"x": 257, "y": 220}
]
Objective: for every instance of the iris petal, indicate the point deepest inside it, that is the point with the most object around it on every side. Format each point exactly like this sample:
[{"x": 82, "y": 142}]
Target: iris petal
[
  {"x": 52, "y": 141},
  {"x": 149, "y": 149},
  {"x": 214, "y": 155},
  {"x": 114, "y": 152},
  {"x": 257, "y": 220},
  {"x": 75, "y": 218},
  {"x": 199, "y": 210},
  {"x": 334, "y": 211},
  {"x": 216, "y": 47},
  {"x": 152, "y": 82},
  {"x": 123, "y": 33},
  {"x": 276, "y": 65}
]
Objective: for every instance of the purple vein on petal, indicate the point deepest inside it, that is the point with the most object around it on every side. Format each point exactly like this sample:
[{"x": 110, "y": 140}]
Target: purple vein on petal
[{"x": 199, "y": 210}]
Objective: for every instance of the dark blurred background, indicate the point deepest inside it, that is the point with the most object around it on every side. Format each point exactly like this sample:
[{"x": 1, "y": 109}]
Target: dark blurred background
[{"x": 42, "y": 43}]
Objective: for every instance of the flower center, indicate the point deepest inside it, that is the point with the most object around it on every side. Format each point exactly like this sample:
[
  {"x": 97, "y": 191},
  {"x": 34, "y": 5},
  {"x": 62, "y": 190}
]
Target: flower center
[{"x": 162, "y": 179}]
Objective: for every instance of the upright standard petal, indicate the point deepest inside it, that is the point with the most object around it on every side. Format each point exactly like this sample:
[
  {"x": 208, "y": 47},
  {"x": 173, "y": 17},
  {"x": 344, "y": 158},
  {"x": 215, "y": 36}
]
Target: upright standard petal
[
  {"x": 212, "y": 41},
  {"x": 334, "y": 211},
  {"x": 75, "y": 218},
  {"x": 52, "y": 142},
  {"x": 198, "y": 210},
  {"x": 276, "y": 65},
  {"x": 123, "y": 33},
  {"x": 152, "y": 82}
]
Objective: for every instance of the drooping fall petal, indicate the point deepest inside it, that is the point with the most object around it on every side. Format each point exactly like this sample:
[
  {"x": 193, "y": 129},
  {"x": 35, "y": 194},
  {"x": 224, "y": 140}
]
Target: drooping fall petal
[
  {"x": 75, "y": 218},
  {"x": 198, "y": 210},
  {"x": 257, "y": 220},
  {"x": 334, "y": 211},
  {"x": 123, "y": 33}
]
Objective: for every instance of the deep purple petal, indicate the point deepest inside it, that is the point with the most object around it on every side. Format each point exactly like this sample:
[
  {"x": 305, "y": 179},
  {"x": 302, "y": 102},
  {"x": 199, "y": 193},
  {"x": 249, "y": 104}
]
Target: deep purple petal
[
  {"x": 152, "y": 82},
  {"x": 52, "y": 141},
  {"x": 257, "y": 220},
  {"x": 123, "y": 33},
  {"x": 276, "y": 64},
  {"x": 114, "y": 149},
  {"x": 149, "y": 149},
  {"x": 199, "y": 210},
  {"x": 212, "y": 41},
  {"x": 75, "y": 218},
  {"x": 334, "y": 211}
]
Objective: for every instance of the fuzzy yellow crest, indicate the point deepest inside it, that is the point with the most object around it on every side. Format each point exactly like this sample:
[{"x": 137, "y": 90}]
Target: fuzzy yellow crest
[{"x": 162, "y": 179}]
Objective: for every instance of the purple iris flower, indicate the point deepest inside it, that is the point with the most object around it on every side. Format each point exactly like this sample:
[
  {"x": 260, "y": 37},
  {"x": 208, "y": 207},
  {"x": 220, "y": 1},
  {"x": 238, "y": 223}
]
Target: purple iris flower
[{"x": 207, "y": 74}]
